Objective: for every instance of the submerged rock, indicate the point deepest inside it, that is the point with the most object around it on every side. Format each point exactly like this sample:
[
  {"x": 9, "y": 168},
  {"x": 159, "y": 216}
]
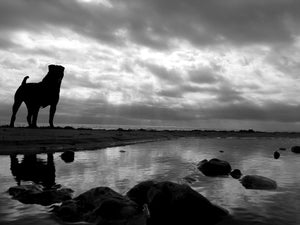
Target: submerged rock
[
  {"x": 36, "y": 194},
  {"x": 258, "y": 182},
  {"x": 236, "y": 174},
  {"x": 68, "y": 156},
  {"x": 295, "y": 149},
  {"x": 214, "y": 167},
  {"x": 101, "y": 205},
  {"x": 176, "y": 204}
]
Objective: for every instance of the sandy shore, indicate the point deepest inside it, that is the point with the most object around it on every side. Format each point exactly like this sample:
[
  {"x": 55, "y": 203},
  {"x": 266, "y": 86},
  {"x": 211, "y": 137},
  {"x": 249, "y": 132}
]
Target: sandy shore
[{"x": 43, "y": 140}]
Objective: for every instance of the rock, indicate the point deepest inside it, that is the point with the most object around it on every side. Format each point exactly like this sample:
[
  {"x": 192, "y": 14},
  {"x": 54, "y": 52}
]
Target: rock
[
  {"x": 176, "y": 204},
  {"x": 295, "y": 149},
  {"x": 214, "y": 167},
  {"x": 101, "y": 205},
  {"x": 68, "y": 156},
  {"x": 36, "y": 194},
  {"x": 276, "y": 155},
  {"x": 282, "y": 149},
  {"x": 236, "y": 174},
  {"x": 258, "y": 182},
  {"x": 221, "y": 151}
]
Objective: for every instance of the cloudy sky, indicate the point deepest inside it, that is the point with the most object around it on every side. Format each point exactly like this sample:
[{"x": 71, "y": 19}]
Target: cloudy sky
[{"x": 208, "y": 64}]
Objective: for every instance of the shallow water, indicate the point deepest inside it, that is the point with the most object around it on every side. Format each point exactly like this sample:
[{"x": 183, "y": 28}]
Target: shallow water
[{"x": 170, "y": 160}]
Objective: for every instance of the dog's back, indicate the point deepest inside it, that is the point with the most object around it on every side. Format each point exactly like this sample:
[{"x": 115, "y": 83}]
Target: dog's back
[
  {"x": 27, "y": 92},
  {"x": 37, "y": 95}
]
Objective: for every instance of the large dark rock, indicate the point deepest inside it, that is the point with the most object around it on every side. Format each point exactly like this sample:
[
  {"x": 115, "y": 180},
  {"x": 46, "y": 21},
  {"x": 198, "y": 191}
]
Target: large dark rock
[
  {"x": 214, "y": 167},
  {"x": 176, "y": 204},
  {"x": 101, "y": 205},
  {"x": 295, "y": 149},
  {"x": 258, "y": 182},
  {"x": 36, "y": 194}
]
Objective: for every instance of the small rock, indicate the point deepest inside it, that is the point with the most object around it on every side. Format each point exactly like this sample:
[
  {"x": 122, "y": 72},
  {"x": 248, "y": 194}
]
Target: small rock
[
  {"x": 282, "y": 149},
  {"x": 276, "y": 155},
  {"x": 236, "y": 174},
  {"x": 68, "y": 156}
]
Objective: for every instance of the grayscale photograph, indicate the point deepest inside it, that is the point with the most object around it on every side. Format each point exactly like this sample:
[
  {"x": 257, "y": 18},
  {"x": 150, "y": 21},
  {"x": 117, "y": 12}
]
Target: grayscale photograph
[{"x": 149, "y": 112}]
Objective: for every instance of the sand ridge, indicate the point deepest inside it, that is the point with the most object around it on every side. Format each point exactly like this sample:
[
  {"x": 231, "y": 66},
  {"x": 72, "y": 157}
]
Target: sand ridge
[{"x": 23, "y": 140}]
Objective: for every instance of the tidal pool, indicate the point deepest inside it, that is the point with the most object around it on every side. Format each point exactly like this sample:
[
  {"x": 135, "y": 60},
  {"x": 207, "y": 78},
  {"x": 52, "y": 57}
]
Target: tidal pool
[{"x": 120, "y": 168}]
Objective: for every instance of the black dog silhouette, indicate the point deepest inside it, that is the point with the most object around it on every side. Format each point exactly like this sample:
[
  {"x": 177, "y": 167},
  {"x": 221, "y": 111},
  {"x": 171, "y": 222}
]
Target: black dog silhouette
[{"x": 39, "y": 95}]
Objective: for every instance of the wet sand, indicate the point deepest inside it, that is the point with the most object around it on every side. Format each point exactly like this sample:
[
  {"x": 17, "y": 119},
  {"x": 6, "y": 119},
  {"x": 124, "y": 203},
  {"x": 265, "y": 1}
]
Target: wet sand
[{"x": 43, "y": 140}]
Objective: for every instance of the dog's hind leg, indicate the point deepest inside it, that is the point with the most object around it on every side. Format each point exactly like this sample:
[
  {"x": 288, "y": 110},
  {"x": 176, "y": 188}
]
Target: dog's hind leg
[
  {"x": 29, "y": 116},
  {"x": 34, "y": 116},
  {"x": 15, "y": 109},
  {"x": 51, "y": 114}
]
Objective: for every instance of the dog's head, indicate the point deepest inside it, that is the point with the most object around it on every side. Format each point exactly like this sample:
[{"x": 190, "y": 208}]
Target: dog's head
[
  {"x": 56, "y": 71},
  {"x": 55, "y": 74}
]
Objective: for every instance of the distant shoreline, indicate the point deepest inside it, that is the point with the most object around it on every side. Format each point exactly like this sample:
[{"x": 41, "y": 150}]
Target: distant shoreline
[{"x": 23, "y": 140}]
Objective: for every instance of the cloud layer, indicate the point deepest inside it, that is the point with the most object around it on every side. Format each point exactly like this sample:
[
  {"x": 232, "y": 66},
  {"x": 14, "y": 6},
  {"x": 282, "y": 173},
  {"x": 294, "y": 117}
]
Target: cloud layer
[{"x": 202, "y": 64}]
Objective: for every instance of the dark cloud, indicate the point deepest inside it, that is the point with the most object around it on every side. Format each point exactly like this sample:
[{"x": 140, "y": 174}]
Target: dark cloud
[
  {"x": 269, "y": 111},
  {"x": 171, "y": 93},
  {"x": 213, "y": 21},
  {"x": 5, "y": 42},
  {"x": 155, "y": 23},
  {"x": 99, "y": 111},
  {"x": 226, "y": 94},
  {"x": 204, "y": 76},
  {"x": 163, "y": 74},
  {"x": 180, "y": 90}
]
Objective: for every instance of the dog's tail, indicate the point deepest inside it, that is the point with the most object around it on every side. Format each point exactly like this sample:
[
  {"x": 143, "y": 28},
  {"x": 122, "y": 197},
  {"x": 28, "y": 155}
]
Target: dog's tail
[{"x": 24, "y": 80}]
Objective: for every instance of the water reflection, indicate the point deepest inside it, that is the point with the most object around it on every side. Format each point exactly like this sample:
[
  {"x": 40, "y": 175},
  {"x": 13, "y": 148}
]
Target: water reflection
[
  {"x": 32, "y": 168},
  {"x": 172, "y": 160}
]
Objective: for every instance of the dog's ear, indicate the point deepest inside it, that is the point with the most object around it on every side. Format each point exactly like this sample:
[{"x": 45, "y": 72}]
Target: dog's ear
[
  {"x": 51, "y": 67},
  {"x": 62, "y": 68}
]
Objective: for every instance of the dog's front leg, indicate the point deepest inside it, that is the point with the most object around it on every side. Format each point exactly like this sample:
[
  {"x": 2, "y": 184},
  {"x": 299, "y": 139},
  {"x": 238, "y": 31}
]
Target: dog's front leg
[{"x": 51, "y": 114}]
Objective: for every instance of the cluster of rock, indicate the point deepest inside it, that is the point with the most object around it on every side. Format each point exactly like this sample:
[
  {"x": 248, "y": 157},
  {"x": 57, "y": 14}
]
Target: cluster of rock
[
  {"x": 100, "y": 205},
  {"x": 217, "y": 167},
  {"x": 149, "y": 202}
]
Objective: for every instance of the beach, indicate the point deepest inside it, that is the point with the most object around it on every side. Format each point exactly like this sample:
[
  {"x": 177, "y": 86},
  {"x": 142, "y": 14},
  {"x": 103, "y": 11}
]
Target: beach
[{"x": 23, "y": 140}]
